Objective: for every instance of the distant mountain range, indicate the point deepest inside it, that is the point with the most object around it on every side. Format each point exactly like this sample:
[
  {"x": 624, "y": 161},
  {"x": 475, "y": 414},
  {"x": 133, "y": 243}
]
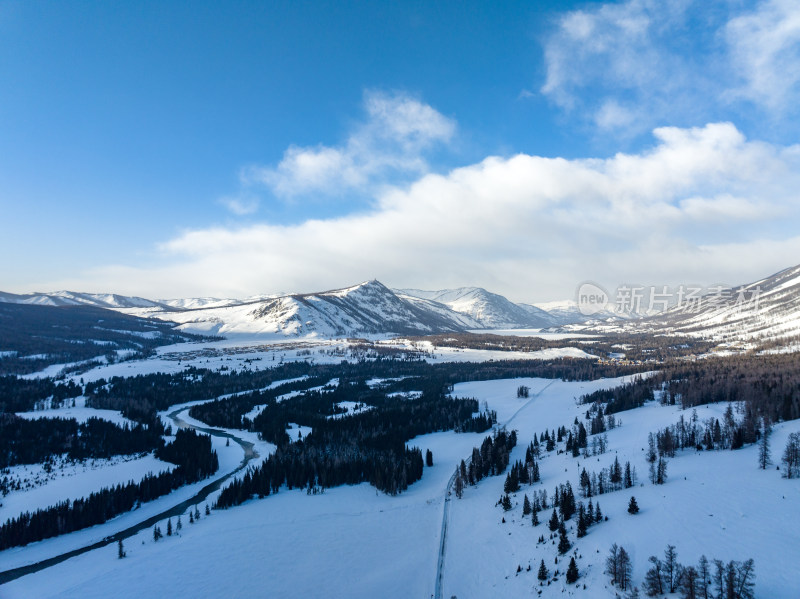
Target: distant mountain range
[
  {"x": 111, "y": 301},
  {"x": 372, "y": 308},
  {"x": 366, "y": 308}
]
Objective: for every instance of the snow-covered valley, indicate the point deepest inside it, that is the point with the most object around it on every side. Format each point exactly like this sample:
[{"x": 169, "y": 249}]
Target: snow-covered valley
[{"x": 356, "y": 542}]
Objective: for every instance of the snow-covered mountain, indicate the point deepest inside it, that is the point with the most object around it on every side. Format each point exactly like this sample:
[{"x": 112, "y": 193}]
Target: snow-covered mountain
[
  {"x": 192, "y": 303},
  {"x": 488, "y": 310},
  {"x": 72, "y": 298},
  {"x": 766, "y": 309},
  {"x": 366, "y": 308},
  {"x": 372, "y": 308}
]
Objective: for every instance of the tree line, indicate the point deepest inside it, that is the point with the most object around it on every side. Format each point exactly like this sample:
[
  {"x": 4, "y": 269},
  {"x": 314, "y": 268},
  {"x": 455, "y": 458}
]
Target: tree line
[
  {"x": 367, "y": 447},
  {"x": 768, "y": 385},
  {"x": 33, "y": 337},
  {"x": 191, "y": 452},
  {"x": 708, "y": 580},
  {"x": 24, "y": 441},
  {"x": 23, "y": 395},
  {"x": 490, "y": 459}
]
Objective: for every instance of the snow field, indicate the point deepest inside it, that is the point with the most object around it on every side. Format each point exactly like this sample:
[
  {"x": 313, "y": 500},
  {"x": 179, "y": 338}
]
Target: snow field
[
  {"x": 80, "y": 413},
  {"x": 714, "y": 503},
  {"x": 356, "y": 542}
]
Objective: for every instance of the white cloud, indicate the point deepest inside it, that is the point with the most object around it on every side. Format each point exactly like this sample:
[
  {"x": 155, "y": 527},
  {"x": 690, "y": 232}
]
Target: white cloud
[
  {"x": 627, "y": 67},
  {"x": 392, "y": 140},
  {"x": 240, "y": 206},
  {"x": 765, "y": 45},
  {"x": 726, "y": 207},
  {"x": 611, "y": 47},
  {"x": 613, "y": 116},
  {"x": 527, "y": 226}
]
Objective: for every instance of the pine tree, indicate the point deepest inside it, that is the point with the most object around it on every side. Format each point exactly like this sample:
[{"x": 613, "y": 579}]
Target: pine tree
[
  {"x": 506, "y": 502},
  {"x": 598, "y": 515},
  {"x": 572, "y": 571},
  {"x": 512, "y": 482},
  {"x": 197, "y": 513},
  {"x": 526, "y": 506},
  {"x": 563, "y": 542},
  {"x": 191, "y": 517},
  {"x": 567, "y": 505},
  {"x": 179, "y": 525},
  {"x": 543, "y": 573},
  {"x": 120, "y": 549},
  {"x": 156, "y": 533},
  {"x": 633, "y": 507},
  {"x": 616, "y": 473},
  {"x": 535, "y": 518},
  {"x": 764, "y": 455},
  {"x": 553, "y": 524},
  {"x": 628, "y": 476},
  {"x": 585, "y": 483},
  {"x": 169, "y": 527},
  {"x": 208, "y": 511},
  {"x": 661, "y": 471},
  {"x": 582, "y": 525},
  {"x": 428, "y": 458}
]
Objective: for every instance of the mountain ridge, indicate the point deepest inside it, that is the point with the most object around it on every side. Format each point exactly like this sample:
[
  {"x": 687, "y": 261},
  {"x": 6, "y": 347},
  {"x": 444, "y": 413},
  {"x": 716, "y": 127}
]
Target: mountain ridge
[{"x": 370, "y": 307}]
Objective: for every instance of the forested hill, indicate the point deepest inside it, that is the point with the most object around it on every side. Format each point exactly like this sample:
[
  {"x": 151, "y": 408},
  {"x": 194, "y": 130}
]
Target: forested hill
[{"x": 33, "y": 337}]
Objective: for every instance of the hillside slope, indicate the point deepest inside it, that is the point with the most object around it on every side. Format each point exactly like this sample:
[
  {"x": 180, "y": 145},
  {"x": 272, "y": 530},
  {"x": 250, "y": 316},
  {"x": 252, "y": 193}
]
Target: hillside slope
[{"x": 489, "y": 310}]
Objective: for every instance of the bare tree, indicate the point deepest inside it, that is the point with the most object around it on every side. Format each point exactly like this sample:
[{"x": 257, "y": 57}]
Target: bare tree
[{"x": 791, "y": 456}]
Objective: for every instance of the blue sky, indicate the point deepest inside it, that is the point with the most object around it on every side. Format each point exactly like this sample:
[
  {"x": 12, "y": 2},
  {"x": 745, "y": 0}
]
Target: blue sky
[{"x": 165, "y": 149}]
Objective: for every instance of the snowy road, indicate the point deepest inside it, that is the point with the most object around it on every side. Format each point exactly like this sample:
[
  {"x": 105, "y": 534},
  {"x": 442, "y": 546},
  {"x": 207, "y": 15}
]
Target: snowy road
[
  {"x": 448, "y": 494},
  {"x": 175, "y": 510}
]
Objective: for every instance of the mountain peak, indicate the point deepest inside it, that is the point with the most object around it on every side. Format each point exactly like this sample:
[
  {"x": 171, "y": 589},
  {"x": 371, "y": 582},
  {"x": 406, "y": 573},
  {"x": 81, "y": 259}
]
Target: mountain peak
[
  {"x": 371, "y": 286},
  {"x": 489, "y": 310}
]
